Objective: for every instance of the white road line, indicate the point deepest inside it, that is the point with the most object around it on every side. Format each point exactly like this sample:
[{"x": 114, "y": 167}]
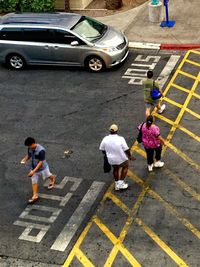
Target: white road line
[
  {"x": 54, "y": 211},
  {"x": 144, "y": 45},
  {"x": 164, "y": 75},
  {"x": 76, "y": 182},
  {"x": 26, "y": 235},
  {"x": 77, "y": 217},
  {"x": 63, "y": 200}
]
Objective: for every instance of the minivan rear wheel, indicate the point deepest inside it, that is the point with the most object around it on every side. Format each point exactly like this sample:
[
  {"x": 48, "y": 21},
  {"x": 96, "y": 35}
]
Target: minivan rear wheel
[
  {"x": 15, "y": 61},
  {"x": 95, "y": 64}
]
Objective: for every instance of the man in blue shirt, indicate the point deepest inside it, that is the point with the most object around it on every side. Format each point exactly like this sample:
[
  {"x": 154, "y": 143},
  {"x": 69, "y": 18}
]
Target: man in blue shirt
[{"x": 38, "y": 166}]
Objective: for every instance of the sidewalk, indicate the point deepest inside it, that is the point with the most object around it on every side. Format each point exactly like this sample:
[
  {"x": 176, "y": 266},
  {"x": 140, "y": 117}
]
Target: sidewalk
[{"x": 137, "y": 27}]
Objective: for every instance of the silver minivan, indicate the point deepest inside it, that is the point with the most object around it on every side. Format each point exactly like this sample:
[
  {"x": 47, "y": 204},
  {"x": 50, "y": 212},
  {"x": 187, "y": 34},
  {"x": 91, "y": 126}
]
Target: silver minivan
[{"x": 65, "y": 39}]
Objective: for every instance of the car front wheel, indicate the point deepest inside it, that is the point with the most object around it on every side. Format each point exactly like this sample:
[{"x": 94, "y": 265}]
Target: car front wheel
[
  {"x": 95, "y": 64},
  {"x": 15, "y": 61}
]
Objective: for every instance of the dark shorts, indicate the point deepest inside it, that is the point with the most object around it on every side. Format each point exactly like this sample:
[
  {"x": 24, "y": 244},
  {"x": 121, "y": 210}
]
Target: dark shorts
[
  {"x": 123, "y": 164},
  {"x": 151, "y": 105}
]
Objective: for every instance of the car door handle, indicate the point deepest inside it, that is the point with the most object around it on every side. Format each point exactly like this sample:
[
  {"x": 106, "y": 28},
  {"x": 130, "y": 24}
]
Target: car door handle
[
  {"x": 46, "y": 47},
  {"x": 56, "y": 47}
]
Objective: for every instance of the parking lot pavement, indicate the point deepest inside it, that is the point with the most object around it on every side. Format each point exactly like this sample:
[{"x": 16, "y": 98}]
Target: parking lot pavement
[
  {"x": 67, "y": 108},
  {"x": 156, "y": 221}
]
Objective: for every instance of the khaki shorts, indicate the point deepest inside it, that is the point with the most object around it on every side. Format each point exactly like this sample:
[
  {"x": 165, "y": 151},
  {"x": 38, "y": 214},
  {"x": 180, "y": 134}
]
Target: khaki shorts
[
  {"x": 42, "y": 174},
  {"x": 123, "y": 164}
]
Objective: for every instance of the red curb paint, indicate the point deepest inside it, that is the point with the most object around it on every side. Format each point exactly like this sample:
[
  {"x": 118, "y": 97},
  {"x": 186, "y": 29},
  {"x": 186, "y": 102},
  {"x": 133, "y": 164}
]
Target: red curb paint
[{"x": 179, "y": 46}]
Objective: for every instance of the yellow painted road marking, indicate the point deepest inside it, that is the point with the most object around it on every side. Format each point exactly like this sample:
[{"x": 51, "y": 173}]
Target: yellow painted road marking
[
  {"x": 118, "y": 202},
  {"x": 175, "y": 150},
  {"x": 193, "y": 113},
  {"x": 170, "y": 101},
  {"x": 167, "y": 205},
  {"x": 196, "y": 95},
  {"x": 191, "y": 134},
  {"x": 83, "y": 259},
  {"x": 138, "y": 150},
  {"x": 152, "y": 234},
  {"x": 187, "y": 74},
  {"x": 185, "y": 57},
  {"x": 161, "y": 244},
  {"x": 172, "y": 210},
  {"x": 178, "y": 126},
  {"x": 181, "y": 113},
  {"x": 192, "y": 62},
  {"x": 118, "y": 246},
  {"x": 175, "y": 75},
  {"x": 75, "y": 251},
  {"x": 184, "y": 156},
  {"x": 161, "y": 117},
  {"x": 129, "y": 222},
  {"x": 195, "y": 52},
  {"x": 182, "y": 184},
  {"x": 179, "y": 87},
  {"x": 185, "y": 186},
  {"x": 117, "y": 242}
]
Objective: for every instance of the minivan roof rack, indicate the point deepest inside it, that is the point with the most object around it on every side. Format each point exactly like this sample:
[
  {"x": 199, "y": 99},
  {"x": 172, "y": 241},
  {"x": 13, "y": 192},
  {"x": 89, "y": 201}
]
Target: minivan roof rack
[{"x": 55, "y": 18}]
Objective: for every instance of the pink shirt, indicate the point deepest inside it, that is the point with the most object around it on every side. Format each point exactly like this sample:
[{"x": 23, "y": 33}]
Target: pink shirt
[{"x": 150, "y": 136}]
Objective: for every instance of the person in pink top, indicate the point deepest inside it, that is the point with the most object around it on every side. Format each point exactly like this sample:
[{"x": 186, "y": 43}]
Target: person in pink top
[{"x": 152, "y": 142}]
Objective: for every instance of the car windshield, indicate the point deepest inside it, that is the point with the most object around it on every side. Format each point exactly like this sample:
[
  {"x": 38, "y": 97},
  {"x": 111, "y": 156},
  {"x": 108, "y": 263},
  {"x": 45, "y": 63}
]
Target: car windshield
[{"x": 89, "y": 29}]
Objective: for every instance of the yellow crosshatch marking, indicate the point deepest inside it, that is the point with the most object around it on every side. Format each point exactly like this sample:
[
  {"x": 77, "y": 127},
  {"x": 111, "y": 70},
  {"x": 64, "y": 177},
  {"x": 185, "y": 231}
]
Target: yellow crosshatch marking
[
  {"x": 132, "y": 217},
  {"x": 160, "y": 243},
  {"x": 196, "y": 95},
  {"x": 192, "y": 62},
  {"x": 180, "y": 87},
  {"x": 183, "y": 185},
  {"x": 168, "y": 206}
]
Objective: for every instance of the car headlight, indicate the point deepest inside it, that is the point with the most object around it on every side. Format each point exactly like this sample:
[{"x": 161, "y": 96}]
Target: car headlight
[{"x": 110, "y": 49}]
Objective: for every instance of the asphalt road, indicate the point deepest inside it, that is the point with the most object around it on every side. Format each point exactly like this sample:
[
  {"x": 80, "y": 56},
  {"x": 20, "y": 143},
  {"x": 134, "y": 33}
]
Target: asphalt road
[{"x": 65, "y": 108}]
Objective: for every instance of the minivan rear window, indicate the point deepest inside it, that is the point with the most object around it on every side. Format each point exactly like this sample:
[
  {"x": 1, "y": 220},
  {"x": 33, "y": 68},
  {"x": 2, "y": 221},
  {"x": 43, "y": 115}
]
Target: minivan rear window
[{"x": 27, "y": 34}]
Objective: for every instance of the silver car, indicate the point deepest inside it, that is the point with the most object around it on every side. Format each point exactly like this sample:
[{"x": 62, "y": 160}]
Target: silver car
[{"x": 65, "y": 39}]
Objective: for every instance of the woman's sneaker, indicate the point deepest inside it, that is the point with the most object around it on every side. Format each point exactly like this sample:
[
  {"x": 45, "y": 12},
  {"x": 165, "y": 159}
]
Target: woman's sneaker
[
  {"x": 159, "y": 164},
  {"x": 150, "y": 167},
  {"x": 120, "y": 185},
  {"x": 162, "y": 108}
]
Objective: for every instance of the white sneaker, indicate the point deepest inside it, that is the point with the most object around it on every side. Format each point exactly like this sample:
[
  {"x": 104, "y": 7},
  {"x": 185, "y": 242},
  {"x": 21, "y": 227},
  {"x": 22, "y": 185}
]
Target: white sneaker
[
  {"x": 162, "y": 108},
  {"x": 120, "y": 185},
  {"x": 150, "y": 168},
  {"x": 159, "y": 164}
]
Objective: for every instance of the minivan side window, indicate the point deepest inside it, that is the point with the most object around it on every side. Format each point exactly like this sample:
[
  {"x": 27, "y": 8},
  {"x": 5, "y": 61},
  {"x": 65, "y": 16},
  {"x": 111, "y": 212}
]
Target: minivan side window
[
  {"x": 13, "y": 34},
  {"x": 64, "y": 37},
  {"x": 37, "y": 35}
]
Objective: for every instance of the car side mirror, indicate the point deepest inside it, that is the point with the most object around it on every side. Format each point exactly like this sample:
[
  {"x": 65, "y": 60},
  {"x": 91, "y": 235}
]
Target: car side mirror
[{"x": 74, "y": 43}]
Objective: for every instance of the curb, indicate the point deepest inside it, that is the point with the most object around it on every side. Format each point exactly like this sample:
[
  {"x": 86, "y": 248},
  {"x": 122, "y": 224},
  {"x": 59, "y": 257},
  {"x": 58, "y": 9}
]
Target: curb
[
  {"x": 143, "y": 45},
  {"x": 179, "y": 46}
]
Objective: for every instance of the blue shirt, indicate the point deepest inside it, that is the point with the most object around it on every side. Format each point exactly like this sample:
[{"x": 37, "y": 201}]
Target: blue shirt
[{"x": 36, "y": 156}]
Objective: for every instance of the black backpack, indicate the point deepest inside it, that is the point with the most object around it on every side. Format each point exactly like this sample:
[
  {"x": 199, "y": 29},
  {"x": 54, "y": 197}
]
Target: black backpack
[{"x": 139, "y": 137}]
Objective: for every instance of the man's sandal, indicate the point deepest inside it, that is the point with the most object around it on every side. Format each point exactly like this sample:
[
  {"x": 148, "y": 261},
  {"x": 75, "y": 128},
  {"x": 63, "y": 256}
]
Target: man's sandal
[
  {"x": 51, "y": 186},
  {"x": 32, "y": 200}
]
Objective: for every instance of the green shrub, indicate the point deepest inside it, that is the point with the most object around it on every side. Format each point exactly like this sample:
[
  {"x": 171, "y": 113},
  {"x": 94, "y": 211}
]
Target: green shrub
[
  {"x": 26, "y": 5},
  {"x": 7, "y": 5}
]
